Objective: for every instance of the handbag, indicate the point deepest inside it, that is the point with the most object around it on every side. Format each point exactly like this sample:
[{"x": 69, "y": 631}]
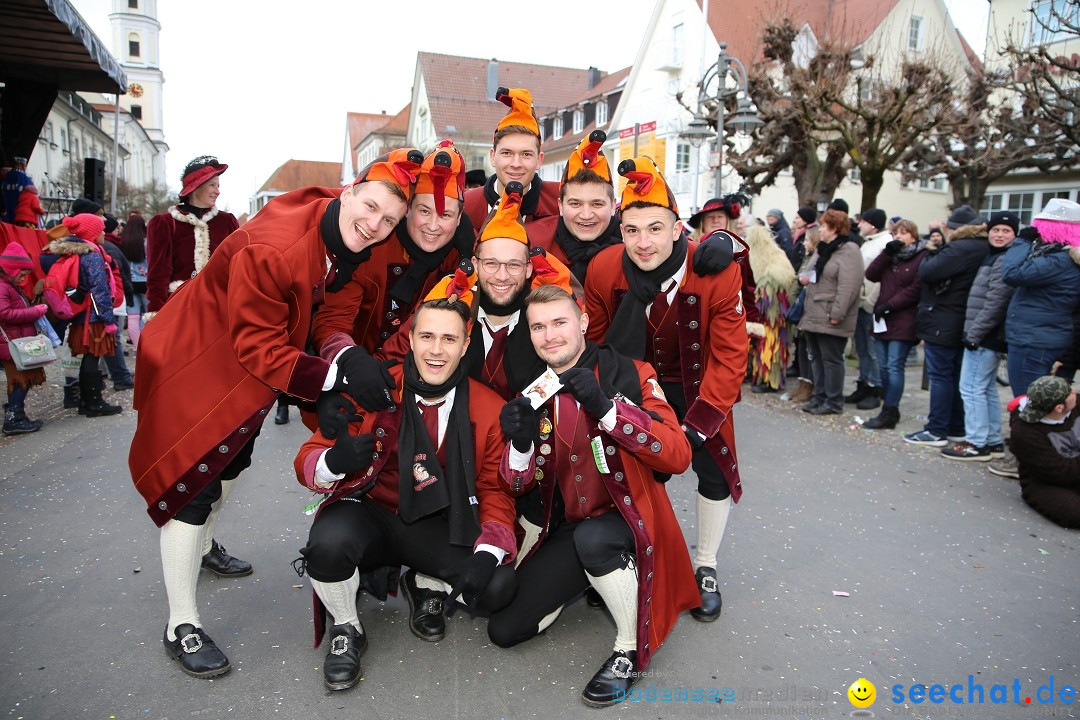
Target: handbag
[
  {"x": 30, "y": 352},
  {"x": 795, "y": 312}
]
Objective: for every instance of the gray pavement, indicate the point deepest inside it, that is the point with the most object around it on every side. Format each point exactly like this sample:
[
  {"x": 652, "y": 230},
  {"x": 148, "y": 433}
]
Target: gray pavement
[{"x": 947, "y": 573}]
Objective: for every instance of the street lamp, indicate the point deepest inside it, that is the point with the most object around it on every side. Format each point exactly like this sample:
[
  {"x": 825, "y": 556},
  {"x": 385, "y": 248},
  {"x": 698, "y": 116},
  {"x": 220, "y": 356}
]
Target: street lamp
[{"x": 743, "y": 120}]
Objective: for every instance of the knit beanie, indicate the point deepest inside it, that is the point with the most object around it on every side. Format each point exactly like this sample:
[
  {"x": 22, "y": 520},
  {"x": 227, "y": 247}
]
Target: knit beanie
[
  {"x": 809, "y": 215},
  {"x": 85, "y": 226},
  {"x": 14, "y": 259}
]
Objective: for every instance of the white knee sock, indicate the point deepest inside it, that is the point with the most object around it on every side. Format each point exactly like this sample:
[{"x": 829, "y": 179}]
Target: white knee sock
[
  {"x": 619, "y": 591},
  {"x": 340, "y": 599},
  {"x": 548, "y": 620},
  {"x": 215, "y": 510},
  {"x": 429, "y": 583},
  {"x": 181, "y": 543},
  {"x": 712, "y": 518}
]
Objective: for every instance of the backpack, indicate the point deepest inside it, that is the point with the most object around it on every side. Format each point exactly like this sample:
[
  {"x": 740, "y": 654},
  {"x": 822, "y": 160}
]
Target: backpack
[{"x": 63, "y": 276}]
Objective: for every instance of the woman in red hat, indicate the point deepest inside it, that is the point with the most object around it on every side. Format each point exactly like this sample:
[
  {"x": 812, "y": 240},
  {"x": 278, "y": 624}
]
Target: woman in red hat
[{"x": 179, "y": 241}]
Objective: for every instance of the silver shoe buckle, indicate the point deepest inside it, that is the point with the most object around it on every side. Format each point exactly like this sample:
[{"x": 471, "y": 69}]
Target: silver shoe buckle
[
  {"x": 339, "y": 645},
  {"x": 708, "y": 584},
  {"x": 622, "y": 667},
  {"x": 191, "y": 643},
  {"x": 434, "y": 606}
]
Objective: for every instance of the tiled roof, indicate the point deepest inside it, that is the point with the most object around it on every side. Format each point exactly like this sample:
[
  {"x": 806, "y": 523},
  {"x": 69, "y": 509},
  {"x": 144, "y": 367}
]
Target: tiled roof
[
  {"x": 610, "y": 82},
  {"x": 295, "y": 174},
  {"x": 399, "y": 124},
  {"x": 850, "y": 21},
  {"x": 975, "y": 60},
  {"x": 360, "y": 125},
  {"x": 457, "y": 90}
]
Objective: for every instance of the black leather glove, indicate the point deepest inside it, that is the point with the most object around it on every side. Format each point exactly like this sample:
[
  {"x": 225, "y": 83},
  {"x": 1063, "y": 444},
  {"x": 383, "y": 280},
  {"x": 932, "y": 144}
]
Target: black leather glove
[
  {"x": 366, "y": 379},
  {"x": 971, "y": 346},
  {"x": 519, "y": 423},
  {"x": 893, "y": 247},
  {"x": 351, "y": 453},
  {"x": 882, "y": 312},
  {"x": 714, "y": 254},
  {"x": 473, "y": 576},
  {"x": 335, "y": 412},
  {"x": 696, "y": 441},
  {"x": 583, "y": 385}
]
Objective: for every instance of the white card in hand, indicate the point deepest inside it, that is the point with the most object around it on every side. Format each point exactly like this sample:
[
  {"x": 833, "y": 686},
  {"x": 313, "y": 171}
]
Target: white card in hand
[
  {"x": 540, "y": 390},
  {"x": 879, "y": 325}
]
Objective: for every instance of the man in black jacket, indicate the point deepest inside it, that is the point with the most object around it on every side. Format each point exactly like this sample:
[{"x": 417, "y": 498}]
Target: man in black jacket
[{"x": 947, "y": 274}]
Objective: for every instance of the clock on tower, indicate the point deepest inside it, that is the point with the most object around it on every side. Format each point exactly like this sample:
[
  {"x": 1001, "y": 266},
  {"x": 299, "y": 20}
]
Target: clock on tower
[{"x": 135, "y": 90}]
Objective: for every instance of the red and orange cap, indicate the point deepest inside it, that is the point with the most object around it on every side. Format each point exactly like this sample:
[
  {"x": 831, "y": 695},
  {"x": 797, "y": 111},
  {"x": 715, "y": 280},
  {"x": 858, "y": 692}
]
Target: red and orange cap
[
  {"x": 645, "y": 184},
  {"x": 588, "y": 155},
  {"x": 400, "y": 167},
  {"x": 458, "y": 286},
  {"x": 549, "y": 270},
  {"x": 504, "y": 221},
  {"x": 442, "y": 174},
  {"x": 519, "y": 100}
]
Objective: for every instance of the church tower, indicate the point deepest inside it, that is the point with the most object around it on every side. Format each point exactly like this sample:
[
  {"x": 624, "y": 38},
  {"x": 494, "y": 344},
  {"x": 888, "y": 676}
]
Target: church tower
[{"x": 136, "y": 43}]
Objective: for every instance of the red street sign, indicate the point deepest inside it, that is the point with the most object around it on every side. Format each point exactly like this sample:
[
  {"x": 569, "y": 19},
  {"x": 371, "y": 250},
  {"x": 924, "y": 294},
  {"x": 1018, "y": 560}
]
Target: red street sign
[{"x": 640, "y": 129}]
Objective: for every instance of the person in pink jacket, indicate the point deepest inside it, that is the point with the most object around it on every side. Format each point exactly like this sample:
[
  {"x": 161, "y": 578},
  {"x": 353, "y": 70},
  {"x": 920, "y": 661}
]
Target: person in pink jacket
[{"x": 17, "y": 318}]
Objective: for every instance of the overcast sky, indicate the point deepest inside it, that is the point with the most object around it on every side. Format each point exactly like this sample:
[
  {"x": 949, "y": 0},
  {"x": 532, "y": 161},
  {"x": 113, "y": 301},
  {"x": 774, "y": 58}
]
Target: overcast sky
[{"x": 257, "y": 85}]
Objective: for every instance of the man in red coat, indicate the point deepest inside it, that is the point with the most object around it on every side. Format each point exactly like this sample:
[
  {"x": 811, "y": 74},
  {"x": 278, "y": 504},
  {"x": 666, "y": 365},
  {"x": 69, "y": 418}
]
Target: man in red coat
[
  {"x": 516, "y": 156},
  {"x": 213, "y": 361},
  {"x": 650, "y": 301},
  {"x": 421, "y": 478},
  {"x": 587, "y": 455},
  {"x": 386, "y": 289}
]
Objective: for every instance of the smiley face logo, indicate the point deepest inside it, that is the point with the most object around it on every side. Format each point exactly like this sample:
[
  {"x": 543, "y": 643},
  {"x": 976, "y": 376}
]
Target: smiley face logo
[{"x": 862, "y": 693}]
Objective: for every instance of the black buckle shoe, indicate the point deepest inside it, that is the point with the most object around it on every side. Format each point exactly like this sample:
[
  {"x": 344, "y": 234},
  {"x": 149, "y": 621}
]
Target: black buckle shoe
[
  {"x": 426, "y": 618},
  {"x": 196, "y": 652},
  {"x": 282, "y": 415},
  {"x": 222, "y": 564},
  {"x": 341, "y": 669},
  {"x": 612, "y": 681},
  {"x": 711, "y": 602}
]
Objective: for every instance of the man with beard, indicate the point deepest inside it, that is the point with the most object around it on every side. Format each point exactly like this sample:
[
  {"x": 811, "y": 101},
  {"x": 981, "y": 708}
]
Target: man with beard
[
  {"x": 418, "y": 484},
  {"x": 650, "y": 303},
  {"x": 589, "y": 452},
  {"x": 229, "y": 340},
  {"x": 516, "y": 157},
  {"x": 424, "y": 248},
  {"x": 587, "y": 222}
]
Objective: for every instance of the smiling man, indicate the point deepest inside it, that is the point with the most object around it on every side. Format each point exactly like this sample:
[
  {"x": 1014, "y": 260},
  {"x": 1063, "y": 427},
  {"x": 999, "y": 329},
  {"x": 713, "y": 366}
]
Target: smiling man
[
  {"x": 649, "y": 301},
  {"x": 587, "y": 221},
  {"x": 213, "y": 361},
  {"x": 605, "y": 522},
  {"x": 516, "y": 156},
  {"x": 428, "y": 245},
  {"x": 422, "y": 478}
]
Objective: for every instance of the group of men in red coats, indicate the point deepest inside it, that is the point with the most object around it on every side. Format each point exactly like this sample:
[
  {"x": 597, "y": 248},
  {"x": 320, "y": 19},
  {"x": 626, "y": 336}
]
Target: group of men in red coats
[{"x": 502, "y": 382}]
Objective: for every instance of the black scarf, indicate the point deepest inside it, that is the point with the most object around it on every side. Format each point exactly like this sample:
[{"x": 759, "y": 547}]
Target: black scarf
[
  {"x": 627, "y": 331},
  {"x": 452, "y": 488},
  {"x": 580, "y": 253},
  {"x": 909, "y": 251},
  {"x": 1040, "y": 247},
  {"x": 618, "y": 374},
  {"x": 520, "y": 361},
  {"x": 422, "y": 264},
  {"x": 345, "y": 260},
  {"x": 825, "y": 251},
  {"x": 529, "y": 202}
]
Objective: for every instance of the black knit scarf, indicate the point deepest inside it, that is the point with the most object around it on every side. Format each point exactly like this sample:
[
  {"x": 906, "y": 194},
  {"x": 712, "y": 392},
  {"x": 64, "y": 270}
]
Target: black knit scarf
[
  {"x": 345, "y": 260},
  {"x": 825, "y": 251},
  {"x": 520, "y": 361},
  {"x": 529, "y": 202},
  {"x": 580, "y": 253},
  {"x": 421, "y": 264},
  {"x": 425, "y": 487},
  {"x": 627, "y": 331}
]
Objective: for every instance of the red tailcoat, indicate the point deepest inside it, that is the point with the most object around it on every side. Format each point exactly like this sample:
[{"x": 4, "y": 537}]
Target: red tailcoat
[
  {"x": 170, "y": 252},
  {"x": 213, "y": 361},
  {"x": 636, "y": 447},
  {"x": 363, "y": 313},
  {"x": 712, "y": 343},
  {"x": 489, "y": 446}
]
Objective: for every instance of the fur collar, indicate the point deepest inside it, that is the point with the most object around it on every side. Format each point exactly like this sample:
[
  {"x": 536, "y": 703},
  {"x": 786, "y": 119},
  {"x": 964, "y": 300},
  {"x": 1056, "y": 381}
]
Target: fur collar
[
  {"x": 769, "y": 263},
  {"x": 69, "y": 246},
  {"x": 202, "y": 233},
  {"x": 969, "y": 231}
]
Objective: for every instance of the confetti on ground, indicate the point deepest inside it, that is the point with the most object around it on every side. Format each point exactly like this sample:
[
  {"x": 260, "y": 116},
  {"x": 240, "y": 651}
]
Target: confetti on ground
[{"x": 840, "y": 593}]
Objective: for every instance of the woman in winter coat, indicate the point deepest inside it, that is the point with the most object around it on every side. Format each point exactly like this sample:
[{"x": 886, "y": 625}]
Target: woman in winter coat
[
  {"x": 832, "y": 299},
  {"x": 984, "y": 338},
  {"x": 1038, "y": 325},
  {"x": 92, "y": 333},
  {"x": 897, "y": 269},
  {"x": 180, "y": 240},
  {"x": 17, "y": 317},
  {"x": 775, "y": 278},
  {"x": 805, "y": 390}
]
